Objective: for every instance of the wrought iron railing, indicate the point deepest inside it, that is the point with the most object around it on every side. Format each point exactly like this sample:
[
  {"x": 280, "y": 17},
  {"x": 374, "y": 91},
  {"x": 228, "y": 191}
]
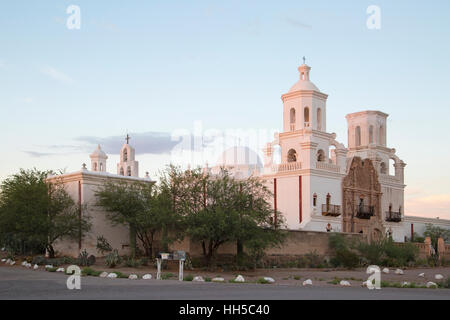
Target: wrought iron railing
[
  {"x": 364, "y": 212},
  {"x": 393, "y": 216},
  {"x": 331, "y": 210}
]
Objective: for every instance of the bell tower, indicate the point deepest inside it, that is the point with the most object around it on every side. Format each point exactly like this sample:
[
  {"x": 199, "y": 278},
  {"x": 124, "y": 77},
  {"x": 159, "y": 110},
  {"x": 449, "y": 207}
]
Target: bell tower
[
  {"x": 128, "y": 166},
  {"x": 98, "y": 160},
  {"x": 304, "y": 106}
]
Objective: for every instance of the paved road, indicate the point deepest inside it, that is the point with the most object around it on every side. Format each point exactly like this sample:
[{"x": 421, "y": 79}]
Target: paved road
[{"x": 17, "y": 283}]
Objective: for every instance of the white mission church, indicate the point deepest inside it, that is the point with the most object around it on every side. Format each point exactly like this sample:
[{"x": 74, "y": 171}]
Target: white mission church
[{"x": 319, "y": 183}]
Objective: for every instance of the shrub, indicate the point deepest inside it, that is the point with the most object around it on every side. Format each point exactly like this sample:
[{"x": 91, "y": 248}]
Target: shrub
[
  {"x": 444, "y": 283},
  {"x": 131, "y": 262},
  {"x": 143, "y": 261},
  {"x": 103, "y": 245},
  {"x": 87, "y": 271},
  {"x": 167, "y": 276},
  {"x": 52, "y": 269},
  {"x": 262, "y": 281},
  {"x": 113, "y": 259},
  {"x": 188, "y": 277},
  {"x": 84, "y": 259}
]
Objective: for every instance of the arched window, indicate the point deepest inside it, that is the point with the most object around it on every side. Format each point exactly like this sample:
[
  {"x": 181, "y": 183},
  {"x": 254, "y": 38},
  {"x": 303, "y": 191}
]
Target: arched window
[
  {"x": 358, "y": 136},
  {"x": 371, "y": 134},
  {"x": 95, "y": 166},
  {"x": 129, "y": 171},
  {"x": 320, "y": 156},
  {"x": 121, "y": 172},
  {"x": 383, "y": 168},
  {"x": 315, "y": 199},
  {"x": 381, "y": 136},
  {"x": 292, "y": 156},
  {"x": 306, "y": 116},
  {"x": 125, "y": 155},
  {"x": 319, "y": 119},
  {"x": 292, "y": 115}
]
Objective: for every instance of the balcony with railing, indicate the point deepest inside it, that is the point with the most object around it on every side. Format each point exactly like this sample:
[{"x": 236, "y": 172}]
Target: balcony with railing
[
  {"x": 286, "y": 167},
  {"x": 364, "y": 212},
  {"x": 331, "y": 210},
  {"x": 322, "y": 165},
  {"x": 393, "y": 216}
]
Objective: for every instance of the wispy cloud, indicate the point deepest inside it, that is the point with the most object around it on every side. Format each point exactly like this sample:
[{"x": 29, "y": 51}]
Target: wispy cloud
[
  {"x": 144, "y": 143},
  {"x": 56, "y": 74},
  {"x": 36, "y": 154},
  {"x": 297, "y": 23}
]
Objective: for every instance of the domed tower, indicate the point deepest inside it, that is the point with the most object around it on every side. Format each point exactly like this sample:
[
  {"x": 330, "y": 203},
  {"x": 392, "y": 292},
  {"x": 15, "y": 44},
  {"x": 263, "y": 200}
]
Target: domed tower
[
  {"x": 127, "y": 166},
  {"x": 304, "y": 104},
  {"x": 98, "y": 160}
]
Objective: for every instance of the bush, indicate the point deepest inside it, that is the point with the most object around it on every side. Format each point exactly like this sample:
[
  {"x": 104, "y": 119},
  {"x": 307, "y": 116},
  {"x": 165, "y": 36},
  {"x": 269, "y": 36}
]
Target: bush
[
  {"x": 167, "y": 276},
  {"x": 84, "y": 259},
  {"x": 188, "y": 277},
  {"x": 262, "y": 281},
  {"x": 103, "y": 245},
  {"x": 444, "y": 283},
  {"x": 113, "y": 259},
  {"x": 131, "y": 262},
  {"x": 87, "y": 271}
]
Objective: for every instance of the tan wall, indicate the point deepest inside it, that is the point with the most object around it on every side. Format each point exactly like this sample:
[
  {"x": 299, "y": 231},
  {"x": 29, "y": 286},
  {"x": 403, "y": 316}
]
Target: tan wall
[{"x": 298, "y": 243}]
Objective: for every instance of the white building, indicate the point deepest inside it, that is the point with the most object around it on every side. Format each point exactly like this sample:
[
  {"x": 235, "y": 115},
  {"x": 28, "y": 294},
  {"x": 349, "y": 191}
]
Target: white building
[{"x": 320, "y": 182}]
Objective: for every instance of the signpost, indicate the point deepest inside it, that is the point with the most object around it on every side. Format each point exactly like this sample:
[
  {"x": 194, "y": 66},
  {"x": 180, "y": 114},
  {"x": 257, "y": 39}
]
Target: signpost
[{"x": 176, "y": 255}]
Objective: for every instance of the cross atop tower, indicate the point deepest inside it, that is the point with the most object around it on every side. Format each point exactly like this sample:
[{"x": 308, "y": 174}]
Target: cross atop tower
[
  {"x": 304, "y": 60},
  {"x": 127, "y": 138}
]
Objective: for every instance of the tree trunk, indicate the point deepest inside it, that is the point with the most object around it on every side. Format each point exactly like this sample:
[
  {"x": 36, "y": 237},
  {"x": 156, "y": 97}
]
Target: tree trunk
[
  {"x": 239, "y": 252},
  {"x": 51, "y": 251}
]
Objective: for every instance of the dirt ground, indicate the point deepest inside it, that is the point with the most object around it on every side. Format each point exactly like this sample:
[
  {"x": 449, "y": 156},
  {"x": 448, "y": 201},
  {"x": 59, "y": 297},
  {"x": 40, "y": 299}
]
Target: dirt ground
[{"x": 291, "y": 276}]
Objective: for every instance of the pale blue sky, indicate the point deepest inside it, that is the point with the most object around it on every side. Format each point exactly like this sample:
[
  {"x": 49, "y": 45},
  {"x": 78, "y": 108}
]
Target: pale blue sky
[{"x": 155, "y": 66}]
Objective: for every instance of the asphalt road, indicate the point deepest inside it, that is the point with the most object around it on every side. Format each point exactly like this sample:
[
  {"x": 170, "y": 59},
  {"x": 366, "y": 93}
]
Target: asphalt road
[{"x": 17, "y": 283}]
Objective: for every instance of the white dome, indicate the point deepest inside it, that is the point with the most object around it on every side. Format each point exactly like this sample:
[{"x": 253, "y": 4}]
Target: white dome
[
  {"x": 99, "y": 153},
  {"x": 304, "y": 85}
]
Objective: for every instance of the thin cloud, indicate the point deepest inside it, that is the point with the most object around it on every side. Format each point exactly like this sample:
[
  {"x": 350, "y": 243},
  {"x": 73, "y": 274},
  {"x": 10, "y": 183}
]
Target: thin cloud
[
  {"x": 36, "y": 154},
  {"x": 56, "y": 75},
  {"x": 144, "y": 143},
  {"x": 297, "y": 23}
]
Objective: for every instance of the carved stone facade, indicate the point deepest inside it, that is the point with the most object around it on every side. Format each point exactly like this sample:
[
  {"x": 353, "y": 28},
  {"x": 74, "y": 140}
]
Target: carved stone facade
[{"x": 362, "y": 199}]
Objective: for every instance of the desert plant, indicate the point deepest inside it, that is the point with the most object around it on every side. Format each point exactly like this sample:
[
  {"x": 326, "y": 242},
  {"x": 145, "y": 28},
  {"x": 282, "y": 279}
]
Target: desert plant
[
  {"x": 113, "y": 259},
  {"x": 188, "y": 277},
  {"x": 84, "y": 259},
  {"x": 103, "y": 245},
  {"x": 87, "y": 271},
  {"x": 131, "y": 262}
]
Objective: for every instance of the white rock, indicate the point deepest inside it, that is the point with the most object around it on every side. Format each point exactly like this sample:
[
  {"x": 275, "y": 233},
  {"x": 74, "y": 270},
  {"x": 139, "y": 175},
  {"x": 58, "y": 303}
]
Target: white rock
[
  {"x": 218, "y": 279},
  {"x": 345, "y": 283},
  {"x": 36, "y": 267},
  {"x": 239, "y": 278},
  {"x": 269, "y": 279},
  {"x": 3, "y": 249},
  {"x": 28, "y": 265},
  {"x": 132, "y": 277},
  {"x": 307, "y": 282},
  {"x": 399, "y": 271},
  {"x": 147, "y": 276},
  {"x": 8, "y": 261},
  {"x": 406, "y": 284},
  {"x": 439, "y": 277},
  {"x": 104, "y": 274},
  {"x": 60, "y": 270},
  {"x": 198, "y": 279},
  {"x": 422, "y": 275},
  {"x": 386, "y": 270},
  {"x": 24, "y": 263},
  {"x": 12, "y": 263},
  {"x": 3, "y": 260},
  {"x": 112, "y": 275},
  {"x": 431, "y": 284}
]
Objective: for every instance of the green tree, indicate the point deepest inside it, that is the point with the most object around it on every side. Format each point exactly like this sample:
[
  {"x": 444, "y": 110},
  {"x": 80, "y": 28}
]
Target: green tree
[
  {"x": 35, "y": 213},
  {"x": 143, "y": 207}
]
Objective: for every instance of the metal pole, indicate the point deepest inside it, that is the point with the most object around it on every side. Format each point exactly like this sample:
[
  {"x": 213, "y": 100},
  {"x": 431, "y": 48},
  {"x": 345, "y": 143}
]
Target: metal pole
[
  {"x": 158, "y": 273},
  {"x": 180, "y": 274}
]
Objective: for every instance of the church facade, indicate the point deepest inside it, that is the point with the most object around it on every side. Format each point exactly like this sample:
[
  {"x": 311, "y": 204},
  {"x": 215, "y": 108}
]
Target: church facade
[{"x": 321, "y": 185}]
